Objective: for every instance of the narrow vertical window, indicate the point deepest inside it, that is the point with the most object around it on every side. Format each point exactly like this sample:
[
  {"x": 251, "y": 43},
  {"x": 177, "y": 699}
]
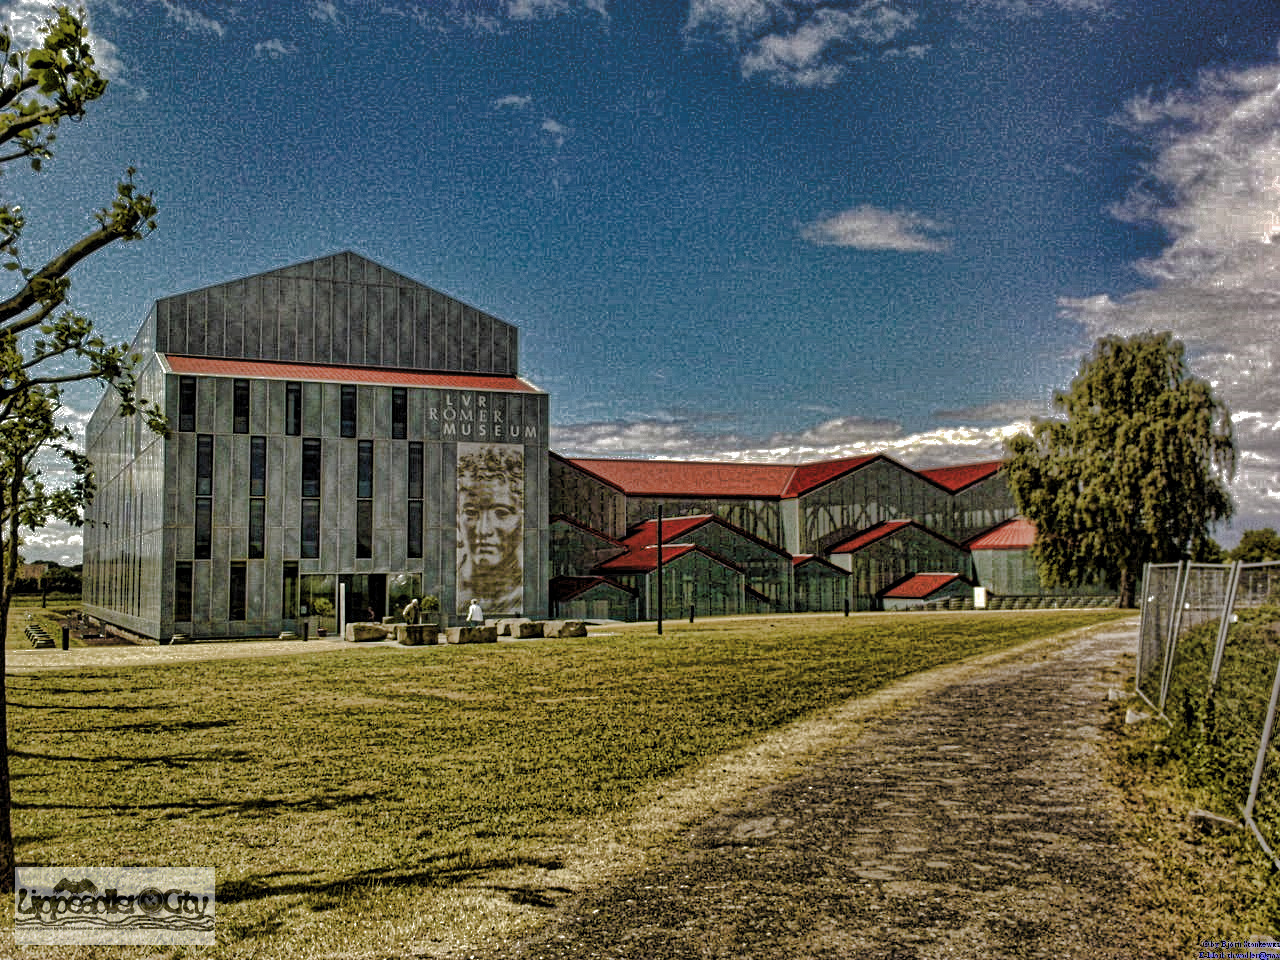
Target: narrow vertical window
[
  {"x": 293, "y": 409},
  {"x": 364, "y": 529},
  {"x": 237, "y": 590},
  {"x": 399, "y": 413},
  {"x": 310, "y": 543},
  {"x": 414, "y": 512},
  {"x": 289, "y": 590},
  {"x": 240, "y": 407},
  {"x": 311, "y": 468},
  {"x": 187, "y": 404},
  {"x": 258, "y": 467},
  {"x": 415, "y": 471},
  {"x": 257, "y": 528},
  {"x": 204, "y": 465},
  {"x": 182, "y": 589},
  {"x": 348, "y": 406},
  {"x": 364, "y": 470},
  {"x": 204, "y": 528},
  {"x": 413, "y": 519}
]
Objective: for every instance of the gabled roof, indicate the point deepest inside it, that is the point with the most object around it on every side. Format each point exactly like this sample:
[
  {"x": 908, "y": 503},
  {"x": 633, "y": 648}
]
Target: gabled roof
[
  {"x": 675, "y": 529},
  {"x": 872, "y": 534},
  {"x": 384, "y": 376},
  {"x": 955, "y": 479},
  {"x": 589, "y": 531},
  {"x": 645, "y": 559},
  {"x": 693, "y": 478},
  {"x": 1015, "y": 534},
  {"x": 920, "y": 586},
  {"x": 566, "y": 588},
  {"x": 803, "y": 559}
]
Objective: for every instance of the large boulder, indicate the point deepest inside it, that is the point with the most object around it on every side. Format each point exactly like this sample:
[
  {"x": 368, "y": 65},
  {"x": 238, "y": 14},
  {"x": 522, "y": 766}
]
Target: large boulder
[
  {"x": 521, "y": 628},
  {"x": 564, "y": 628},
  {"x": 415, "y": 634},
  {"x": 366, "y": 632},
  {"x": 472, "y": 634}
]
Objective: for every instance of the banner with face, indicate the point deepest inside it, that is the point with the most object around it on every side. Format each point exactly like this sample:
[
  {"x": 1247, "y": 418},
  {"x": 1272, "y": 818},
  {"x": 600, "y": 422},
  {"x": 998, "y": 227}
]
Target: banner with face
[{"x": 491, "y": 527}]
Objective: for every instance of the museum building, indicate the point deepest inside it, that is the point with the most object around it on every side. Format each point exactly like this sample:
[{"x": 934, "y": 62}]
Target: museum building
[
  {"x": 339, "y": 435},
  {"x": 343, "y": 439}
]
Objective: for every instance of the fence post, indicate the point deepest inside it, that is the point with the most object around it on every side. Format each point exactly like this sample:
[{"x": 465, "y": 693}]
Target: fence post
[
  {"x": 1166, "y": 673},
  {"x": 1224, "y": 625},
  {"x": 1142, "y": 624},
  {"x": 1258, "y": 766}
]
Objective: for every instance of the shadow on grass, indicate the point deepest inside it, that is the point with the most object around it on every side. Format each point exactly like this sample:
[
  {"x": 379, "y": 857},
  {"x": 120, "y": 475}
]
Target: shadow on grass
[
  {"x": 328, "y": 801},
  {"x": 178, "y": 761},
  {"x": 444, "y": 870}
]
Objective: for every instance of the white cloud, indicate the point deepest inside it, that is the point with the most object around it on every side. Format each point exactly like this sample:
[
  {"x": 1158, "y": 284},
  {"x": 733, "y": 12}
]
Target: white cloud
[
  {"x": 190, "y": 19},
  {"x": 795, "y": 43},
  {"x": 326, "y": 11},
  {"x": 536, "y": 9},
  {"x": 556, "y": 130},
  {"x": 25, "y": 18},
  {"x": 514, "y": 100},
  {"x": 870, "y": 228},
  {"x": 1213, "y": 185},
  {"x": 274, "y": 48},
  {"x": 1035, "y": 8}
]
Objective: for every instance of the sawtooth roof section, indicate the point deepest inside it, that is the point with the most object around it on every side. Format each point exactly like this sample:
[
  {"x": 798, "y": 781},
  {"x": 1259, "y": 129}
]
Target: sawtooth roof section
[
  {"x": 801, "y": 559},
  {"x": 1016, "y": 534},
  {"x": 589, "y": 531},
  {"x": 694, "y": 478},
  {"x": 957, "y": 478},
  {"x": 873, "y": 534},
  {"x": 921, "y": 586},
  {"x": 383, "y": 376},
  {"x": 645, "y": 559},
  {"x": 645, "y": 533},
  {"x": 566, "y": 588}
]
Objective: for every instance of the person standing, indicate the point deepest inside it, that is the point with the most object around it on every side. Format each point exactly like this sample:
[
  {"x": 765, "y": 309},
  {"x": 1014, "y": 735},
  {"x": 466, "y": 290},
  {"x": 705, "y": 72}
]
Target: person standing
[{"x": 475, "y": 617}]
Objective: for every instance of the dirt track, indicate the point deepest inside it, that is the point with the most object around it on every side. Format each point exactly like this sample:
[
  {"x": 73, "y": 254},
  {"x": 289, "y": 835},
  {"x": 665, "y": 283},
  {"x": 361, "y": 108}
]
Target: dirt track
[{"x": 976, "y": 823}]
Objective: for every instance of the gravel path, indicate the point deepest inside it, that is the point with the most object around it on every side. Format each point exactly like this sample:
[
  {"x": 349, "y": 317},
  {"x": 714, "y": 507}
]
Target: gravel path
[{"x": 976, "y": 823}]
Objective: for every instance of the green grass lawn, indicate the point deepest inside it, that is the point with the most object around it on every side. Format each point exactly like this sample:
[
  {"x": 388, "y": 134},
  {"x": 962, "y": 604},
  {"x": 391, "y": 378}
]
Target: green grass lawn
[{"x": 319, "y": 784}]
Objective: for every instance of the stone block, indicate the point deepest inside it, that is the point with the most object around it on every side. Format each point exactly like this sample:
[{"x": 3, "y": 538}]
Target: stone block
[
  {"x": 472, "y": 634},
  {"x": 415, "y": 634},
  {"x": 366, "y": 632},
  {"x": 519, "y": 627},
  {"x": 564, "y": 628}
]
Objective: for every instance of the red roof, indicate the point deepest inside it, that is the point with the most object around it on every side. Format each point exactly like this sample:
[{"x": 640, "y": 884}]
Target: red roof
[
  {"x": 1015, "y": 534},
  {"x": 871, "y": 535},
  {"x": 645, "y": 534},
  {"x": 921, "y": 585},
  {"x": 955, "y": 479},
  {"x": 385, "y": 376},
  {"x": 693, "y": 478},
  {"x": 645, "y": 559}
]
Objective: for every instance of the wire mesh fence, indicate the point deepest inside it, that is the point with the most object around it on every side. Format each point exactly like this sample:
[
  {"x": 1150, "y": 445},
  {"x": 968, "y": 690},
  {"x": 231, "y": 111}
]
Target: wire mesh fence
[{"x": 1209, "y": 664}]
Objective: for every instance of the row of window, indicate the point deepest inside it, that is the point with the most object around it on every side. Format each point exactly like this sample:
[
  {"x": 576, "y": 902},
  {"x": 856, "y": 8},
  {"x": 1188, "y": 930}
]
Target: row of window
[
  {"x": 293, "y": 420},
  {"x": 309, "y": 546}
]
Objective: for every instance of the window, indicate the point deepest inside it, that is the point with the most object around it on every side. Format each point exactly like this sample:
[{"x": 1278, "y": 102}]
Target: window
[
  {"x": 348, "y": 411},
  {"x": 364, "y": 529},
  {"x": 310, "y": 546},
  {"x": 182, "y": 581},
  {"x": 311, "y": 468},
  {"x": 257, "y": 528},
  {"x": 415, "y": 471},
  {"x": 240, "y": 405},
  {"x": 204, "y": 465},
  {"x": 187, "y": 404},
  {"x": 399, "y": 413},
  {"x": 237, "y": 589},
  {"x": 414, "y": 513},
  {"x": 204, "y": 528},
  {"x": 289, "y": 591},
  {"x": 364, "y": 470},
  {"x": 258, "y": 467},
  {"x": 413, "y": 519},
  {"x": 293, "y": 409}
]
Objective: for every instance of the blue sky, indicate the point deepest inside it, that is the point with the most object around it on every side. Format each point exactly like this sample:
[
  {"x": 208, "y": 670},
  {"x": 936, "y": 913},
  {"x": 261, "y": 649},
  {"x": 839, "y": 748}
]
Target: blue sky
[{"x": 763, "y": 229}]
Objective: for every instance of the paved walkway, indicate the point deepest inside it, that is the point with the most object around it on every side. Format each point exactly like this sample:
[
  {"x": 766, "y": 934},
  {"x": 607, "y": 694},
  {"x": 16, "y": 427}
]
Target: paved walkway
[{"x": 975, "y": 824}]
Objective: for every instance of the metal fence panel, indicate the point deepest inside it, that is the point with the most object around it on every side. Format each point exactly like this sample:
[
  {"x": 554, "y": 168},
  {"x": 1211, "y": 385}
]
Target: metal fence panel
[{"x": 1160, "y": 587}]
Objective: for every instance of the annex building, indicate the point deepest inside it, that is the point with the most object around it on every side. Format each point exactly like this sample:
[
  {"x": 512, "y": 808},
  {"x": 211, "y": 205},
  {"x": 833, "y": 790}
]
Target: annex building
[{"x": 341, "y": 434}]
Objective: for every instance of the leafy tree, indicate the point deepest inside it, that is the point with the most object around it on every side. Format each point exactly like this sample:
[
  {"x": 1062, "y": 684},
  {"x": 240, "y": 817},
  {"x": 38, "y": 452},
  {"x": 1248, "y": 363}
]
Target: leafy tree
[
  {"x": 45, "y": 344},
  {"x": 1256, "y": 546},
  {"x": 1134, "y": 472}
]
